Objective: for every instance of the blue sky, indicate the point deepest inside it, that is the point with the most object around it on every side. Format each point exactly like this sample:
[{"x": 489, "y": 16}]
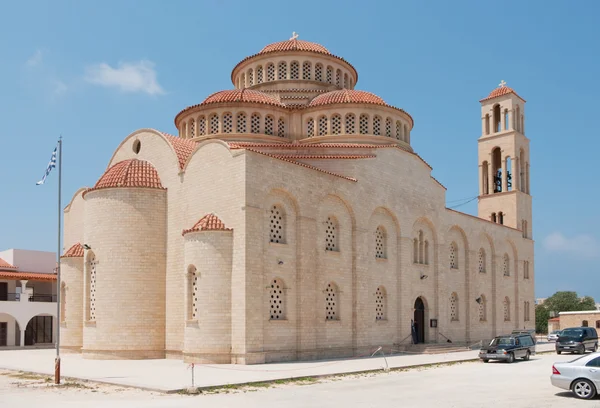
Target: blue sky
[{"x": 96, "y": 71}]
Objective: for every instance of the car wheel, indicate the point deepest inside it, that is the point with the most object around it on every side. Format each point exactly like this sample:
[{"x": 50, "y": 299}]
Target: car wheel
[
  {"x": 595, "y": 347},
  {"x": 582, "y": 349},
  {"x": 583, "y": 389},
  {"x": 485, "y": 360},
  {"x": 558, "y": 351},
  {"x": 511, "y": 358},
  {"x": 527, "y": 356}
]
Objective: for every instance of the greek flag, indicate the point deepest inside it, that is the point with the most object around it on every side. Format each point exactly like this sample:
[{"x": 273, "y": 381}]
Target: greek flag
[{"x": 51, "y": 165}]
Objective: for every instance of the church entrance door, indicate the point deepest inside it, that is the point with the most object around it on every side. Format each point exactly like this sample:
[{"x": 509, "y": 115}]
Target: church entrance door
[{"x": 419, "y": 320}]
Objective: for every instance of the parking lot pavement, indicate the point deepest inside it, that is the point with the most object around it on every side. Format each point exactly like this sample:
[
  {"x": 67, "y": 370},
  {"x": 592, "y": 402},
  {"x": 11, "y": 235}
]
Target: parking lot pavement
[{"x": 523, "y": 384}]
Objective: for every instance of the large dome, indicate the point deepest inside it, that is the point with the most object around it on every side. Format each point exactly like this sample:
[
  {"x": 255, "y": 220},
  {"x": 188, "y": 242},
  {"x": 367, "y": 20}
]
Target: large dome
[
  {"x": 242, "y": 95},
  {"x": 346, "y": 96},
  {"x": 295, "y": 45},
  {"x": 129, "y": 173}
]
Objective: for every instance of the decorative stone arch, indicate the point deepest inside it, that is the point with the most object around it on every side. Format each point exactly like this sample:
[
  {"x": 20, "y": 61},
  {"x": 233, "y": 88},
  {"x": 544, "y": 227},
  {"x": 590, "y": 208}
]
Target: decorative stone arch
[
  {"x": 48, "y": 332},
  {"x": 286, "y": 202},
  {"x": 294, "y": 70},
  {"x": 201, "y": 145},
  {"x": 227, "y": 125},
  {"x": 425, "y": 233},
  {"x": 457, "y": 234},
  {"x": 276, "y": 297},
  {"x": 514, "y": 258},
  {"x": 332, "y": 301},
  {"x": 384, "y": 217},
  {"x": 419, "y": 319}
]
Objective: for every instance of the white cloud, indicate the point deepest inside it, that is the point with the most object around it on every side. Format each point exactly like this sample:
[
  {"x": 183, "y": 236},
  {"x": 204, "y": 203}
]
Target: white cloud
[
  {"x": 127, "y": 77},
  {"x": 35, "y": 59},
  {"x": 579, "y": 245},
  {"x": 59, "y": 87}
]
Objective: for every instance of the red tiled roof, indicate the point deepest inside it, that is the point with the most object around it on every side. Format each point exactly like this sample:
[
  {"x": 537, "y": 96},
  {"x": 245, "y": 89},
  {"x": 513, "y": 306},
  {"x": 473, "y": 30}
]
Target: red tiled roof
[
  {"x": 347, "y": 96},
  {"x": 235, "y": 95},
  {"x": 183, "y": 148},
  {"x": 76, "y": 251},
  {"x": 129, "y": 173},
  {"x": 27, "y": 276},
  {"x": 244, "y": 145},
  {"x": 295, "y": 45},
  {"x": 209, "y": 222},
  {"x": 500, "y": 91},
  {"x": 6, "y": 265},
  {"x": 325, "y": 156}
]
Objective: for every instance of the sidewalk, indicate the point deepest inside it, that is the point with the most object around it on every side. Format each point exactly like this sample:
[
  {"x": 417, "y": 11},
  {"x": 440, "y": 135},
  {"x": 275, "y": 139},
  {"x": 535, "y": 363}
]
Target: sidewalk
[{"x": 174, "y": 375}]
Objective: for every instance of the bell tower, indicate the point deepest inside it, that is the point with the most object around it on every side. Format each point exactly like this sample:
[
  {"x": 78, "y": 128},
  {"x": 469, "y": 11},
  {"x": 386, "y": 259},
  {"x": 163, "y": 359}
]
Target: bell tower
[{"x": 504, "y": 190}]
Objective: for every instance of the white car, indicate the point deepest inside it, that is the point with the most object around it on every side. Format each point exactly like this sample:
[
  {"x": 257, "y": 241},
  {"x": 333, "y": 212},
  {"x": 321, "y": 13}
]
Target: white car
[
  {"x": 554, "y": 335},
  {"x": 581, "y": 376}
]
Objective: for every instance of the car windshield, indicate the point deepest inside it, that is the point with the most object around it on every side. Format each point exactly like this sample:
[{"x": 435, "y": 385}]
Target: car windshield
[
  {"x": 502, "y": 341},
  {"x": 571, "y": 333}
]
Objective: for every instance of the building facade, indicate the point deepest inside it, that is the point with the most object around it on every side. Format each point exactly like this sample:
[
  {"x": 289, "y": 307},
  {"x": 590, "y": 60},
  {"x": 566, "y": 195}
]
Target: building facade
[
  {"x": 588, "y": 318},
  {"x": 291, "y": 219},
  {"x": 27, "y": 298}
]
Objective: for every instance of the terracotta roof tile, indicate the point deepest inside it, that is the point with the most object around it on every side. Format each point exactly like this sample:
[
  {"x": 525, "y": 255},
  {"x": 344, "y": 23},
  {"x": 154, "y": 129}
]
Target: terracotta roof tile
[
  {"x": 76, "y": 251},
  {"x": 209, "y": 222},
  {"x": 183, "y": 148},
  {"x": 325, "y": 156},
  {"x": 27, "y": 276},
  {"x": 6, "y": 265},
  {"x": 131, "y": 173},
  {"x": 244, "y": 145},
  {"x": 295, "y": 45},
  {"x": 501, "y": 91}
]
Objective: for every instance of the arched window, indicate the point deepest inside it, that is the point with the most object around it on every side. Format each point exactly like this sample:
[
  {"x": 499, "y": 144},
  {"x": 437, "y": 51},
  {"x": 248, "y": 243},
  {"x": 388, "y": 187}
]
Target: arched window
[
  {"x": 524, "y": 228},
  {"x": 270, "y": 72},
  {"x": 388, "y": 127},
  {"x": 497, "y": 122},
  {"x": 505, "y": 119},
  {"x": 584, "y": 323},
  {"x": 332, "y": 311},
  {"x": 493, "y": 217},
  {"x": 329, "y": 75},
  {"x": 426, "y": 251},
  {"x": 364, "y": 124},
  {"x": 294, "y": 70},
  {"x": 201, "y": 126},
  {"x": 597, "y": 324},
  {"x": 192, "y": 293},
  {"x": 259, "y": 74},
  {"x": 453, "y": 256},
  {"x": 322, "y": 126},
  {"x": 336, "y": 124},
  {"x": 487, "y": 123},
  {"x": 454, "y": 307},
  {"x": 318, "y": 72},
  {"x": 250, "y": 77},
  {"x": 421, "y": 247},
  {"x": 277, "y": 300},
  {"x": 243, "y": 80},
  {"x": 380, "y": 243},
  {"x": 482, "y": 308},
  {"x": 241, "y": 122},
  {"x": 214, "y": 124},
  {"x": 281, "y": 127},
  {"x": 310, "y": 127},
  {"x": 269, "y": 123},
  {"x": 306, "y": 70},
  {"x": 525, "y": 269},
  {"x": 192, "y": 128},
  {"x": 406, "y": 134},
  {"x": 91, "y": 280},
  {"x": 63, "y": 302},
  {"x": 526, "y": 311},
  {"x": 399, "y": 134},
  {"x": 501, "y": 217},
  {"x": 282, "y": 70},
  {"x": 255, "y": 123},
  {"x": 346, "y": 81},
  {"x": 380, "y": 304},
  {"x": 331, "y": 234},
  {"x": 277, "y": 225},
  {"x": 485, "y": 188},
  {"x": 415, "y": 250},
  {"x": 517, "y": 119},
  {"x": 338, "y": 77},
  {"x": 377, "y": 126},
  {"x": 505, "y": 265},
  {"x": 227, "y": 123},
  {"x": 481, "y": 260},
  {"x": 506, "y": 305},
  {"x": 350, "y": 123}
]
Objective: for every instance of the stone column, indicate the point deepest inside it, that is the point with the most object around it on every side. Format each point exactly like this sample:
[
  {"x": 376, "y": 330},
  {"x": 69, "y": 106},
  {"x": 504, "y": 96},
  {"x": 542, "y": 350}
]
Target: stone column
[
  {"x": 516, "y": 174},
  {"x": 504, "y": 175}
]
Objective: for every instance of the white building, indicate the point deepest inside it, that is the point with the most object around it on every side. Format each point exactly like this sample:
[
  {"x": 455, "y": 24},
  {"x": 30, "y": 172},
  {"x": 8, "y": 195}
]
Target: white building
[{"x": 27, "y": 298}]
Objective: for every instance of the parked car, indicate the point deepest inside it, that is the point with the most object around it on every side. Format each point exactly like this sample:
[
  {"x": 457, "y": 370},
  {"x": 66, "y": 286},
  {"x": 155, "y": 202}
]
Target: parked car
[
  {"x": 580, "y": 376},
  {"x": 531, "y": 332},
  {"x": 577, "y": 340},
  {"x": 508, "y": 347},
  {"x": 553, "y": 336}
]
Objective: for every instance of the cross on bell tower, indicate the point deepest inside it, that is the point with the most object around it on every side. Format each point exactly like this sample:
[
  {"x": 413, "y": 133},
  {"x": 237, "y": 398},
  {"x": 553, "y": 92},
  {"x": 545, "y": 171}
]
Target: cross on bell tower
[
  {"x": 504, "y": 190},
  {"x": 294, "y": 36}
]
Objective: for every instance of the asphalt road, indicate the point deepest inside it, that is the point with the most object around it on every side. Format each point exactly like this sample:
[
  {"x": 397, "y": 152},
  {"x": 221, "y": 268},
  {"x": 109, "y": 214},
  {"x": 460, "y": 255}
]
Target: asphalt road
[{"x": 519, "y": 385}]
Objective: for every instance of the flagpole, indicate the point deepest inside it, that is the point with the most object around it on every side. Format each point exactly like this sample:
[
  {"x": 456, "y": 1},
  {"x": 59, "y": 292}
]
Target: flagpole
[{"x": 58, "y": 253}]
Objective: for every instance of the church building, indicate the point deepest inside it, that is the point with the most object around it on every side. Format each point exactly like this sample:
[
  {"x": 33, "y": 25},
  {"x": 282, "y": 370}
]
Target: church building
[{"x": 290, "y": 219}]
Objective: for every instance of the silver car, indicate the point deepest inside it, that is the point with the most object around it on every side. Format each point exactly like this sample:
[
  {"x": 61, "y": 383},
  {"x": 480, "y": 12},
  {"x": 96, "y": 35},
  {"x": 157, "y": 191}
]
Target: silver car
[
  {"x": 581, "y": 376},
  {"x": 553, "y": 336}
]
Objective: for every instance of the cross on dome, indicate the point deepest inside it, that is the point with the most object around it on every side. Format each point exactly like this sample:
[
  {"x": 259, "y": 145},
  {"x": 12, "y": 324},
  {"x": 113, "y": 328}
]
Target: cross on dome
[
  {"x": 502, "y": 84},
  {"x": 294, "y": 36}
]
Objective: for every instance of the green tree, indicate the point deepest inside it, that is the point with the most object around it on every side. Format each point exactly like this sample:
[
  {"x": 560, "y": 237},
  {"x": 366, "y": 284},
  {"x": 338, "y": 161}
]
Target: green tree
[
  {"x": 541, "y": 319},
  {"x": 560, "y": 302},
  {"x": 587, "y": 303}
]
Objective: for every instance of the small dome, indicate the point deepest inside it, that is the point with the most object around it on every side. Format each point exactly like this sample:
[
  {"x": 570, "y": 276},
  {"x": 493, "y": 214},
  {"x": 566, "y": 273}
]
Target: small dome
[
  {"x": 209, "y": 222},
  {"x": 347, "y": 96},
  {"x": 242, "y": 95},
  {"x": 129, "y": 173},
  {"x": 295, "y": 45},
  {"x": 501, "y": 91},
  {"x": 76, "y": 251}
]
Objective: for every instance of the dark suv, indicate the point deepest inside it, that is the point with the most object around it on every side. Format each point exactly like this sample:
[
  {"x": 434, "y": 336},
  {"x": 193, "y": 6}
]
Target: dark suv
[
  {"x": 508, "y": 348},
  {"x": 577, "y": 340}
]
